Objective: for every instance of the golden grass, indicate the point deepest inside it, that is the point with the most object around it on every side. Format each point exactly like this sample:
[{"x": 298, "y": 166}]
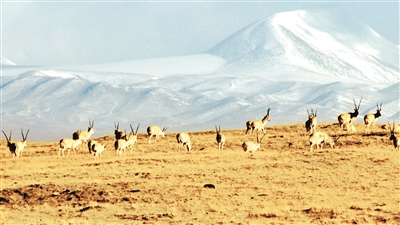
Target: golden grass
[{"x": 282, "y": 183}]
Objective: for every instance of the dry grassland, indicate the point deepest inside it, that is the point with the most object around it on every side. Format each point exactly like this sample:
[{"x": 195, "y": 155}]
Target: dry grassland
[{"x": 282, "y": 183}]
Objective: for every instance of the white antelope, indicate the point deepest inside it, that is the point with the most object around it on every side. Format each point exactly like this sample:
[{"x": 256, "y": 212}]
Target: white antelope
[
  {"x": 90, "y": 144},
  {"x": 348, "y": 118},
  {"x": 118, "y": 133},
  {"x": 16, "y": 147},
  {"x": 371, "y": 118},
  {"x": 84, "y": 135},
  {"x": 318, "y": 138},
  {"x": 250, "y": 146},
  {"x": 155, "y": 131},
  {"x": 220, "y": 139},
  {"x": 311, "y": 123},
  {"x": 132, "y": 139},
  {"x": 69, "y": 143},
  {"x": 184, "y": 140},
  {"x": 258, "y": 125},
  {"x": 97, "y": 149},
  {"x": 394, "y": 138},
  {"x": 121, "y": 145}
]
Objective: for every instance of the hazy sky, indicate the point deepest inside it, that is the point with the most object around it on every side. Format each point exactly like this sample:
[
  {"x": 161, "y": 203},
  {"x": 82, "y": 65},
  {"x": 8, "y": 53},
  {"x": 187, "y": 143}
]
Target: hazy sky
[{"x": 84, "y": 32}]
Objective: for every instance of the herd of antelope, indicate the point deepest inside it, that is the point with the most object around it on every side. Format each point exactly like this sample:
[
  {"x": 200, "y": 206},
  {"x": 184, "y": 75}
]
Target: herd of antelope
[{"x": 124, "y": 140}]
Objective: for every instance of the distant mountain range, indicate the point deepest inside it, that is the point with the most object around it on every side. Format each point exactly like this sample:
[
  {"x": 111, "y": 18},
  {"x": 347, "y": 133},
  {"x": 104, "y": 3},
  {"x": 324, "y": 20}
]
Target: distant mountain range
[{"x": 288, "y": 62}]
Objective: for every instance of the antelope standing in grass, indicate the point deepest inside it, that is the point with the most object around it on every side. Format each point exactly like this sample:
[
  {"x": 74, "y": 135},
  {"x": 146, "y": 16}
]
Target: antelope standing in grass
[
  {"x": 68, "y": 143},
  {"x": 10, "y": 144},
  {"x": 97, "y": 149},
  {"x": 220, "y": 139},
  {"x": 90, "y": 144},
  {"x": 258, "y": 125},
  {"x": 250, "y": 146},
  {"x": 155, "y": 131},
  {"x": 184, "y": 140},
  {"x": 371, "y": 118},
  {"x": 16, "y": 147},
  {"x": 84, "y": 135},
  {"x": 311, "y": 123},
  {"x": 132, "y": 139},
  {"x": 121, "y": 144},
  {"x": 394, "y": 137},
  {"x": 118, "y": 133},
  {"x": 317, "y": 138},
  {"x": 348, "y": 118}
]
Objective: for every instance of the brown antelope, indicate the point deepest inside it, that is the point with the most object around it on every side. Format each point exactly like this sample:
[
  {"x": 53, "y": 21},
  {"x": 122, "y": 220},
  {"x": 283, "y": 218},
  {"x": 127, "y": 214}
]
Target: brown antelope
[
  {"x": 118, "y": 133},
  {"x": 258, "y": 125},
  {"x": 68, "y": 143},
  {"x": 394, "y": 137},
  {"x": 132, "y": 138},
  {"x": 250, "y": 146},
  {"x": 311, "y": 123},
  {"x": 184, "y": 140},
  {"x": 348, "y": 118},
  {"x": 371, "y": 118},
  {"x": 84, "y": 135},
  {"x": 317, "y": 138},
  {"x": 155, "y": 131},
  {"x": 220, "y": 139}
]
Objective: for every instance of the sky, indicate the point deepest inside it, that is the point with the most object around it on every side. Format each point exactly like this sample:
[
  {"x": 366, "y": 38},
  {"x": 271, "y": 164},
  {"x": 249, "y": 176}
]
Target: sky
[{"x": 55, "y": 33}]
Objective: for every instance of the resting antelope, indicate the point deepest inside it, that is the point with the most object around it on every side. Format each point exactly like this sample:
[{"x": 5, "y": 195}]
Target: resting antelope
[
  {"x": 258, "y": 124},
  {"x": 348, "y": 118},
  {"x": 319, "y": 137},
  {"x": 84, "y": 135},
  {"x": 394, "y": 138},
  {"x": 68, "y": 143},
  {"x": 250, "y": 146},
  {"x": 155, "y": 131},
  {"x": 220, "y": 138},
  {"x": 311, "y": 123},
  {"x": 97, "y": 148},
  {"x": 118, "y": 133},
  {"x": 132, "y": 139},
  {"x": 184, "y": 140},
  {"x": 371, "y": 118}
]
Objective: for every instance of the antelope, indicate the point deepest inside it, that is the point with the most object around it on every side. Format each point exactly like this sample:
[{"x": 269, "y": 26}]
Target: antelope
[
  {"x": 349, "y": 126},
  {"x": 68, "y": 143},
  {"x": 311, "y": 123},
  {"x": 394, "y": 138},
  {"x": 258, "y": 124},
  {"x": 371, "y": 118},
  {"x": 90, "y": 144},
  {"x": 118, "y": 133},
  {"x": 317, "y": 138},
  {"x": 155, "y": 131},
  {"x": 97, "y": 148},
  {"x": 84, "y": 135},
  {"x": 220, "y": 139},
  {"x": 10, "y": 144},
  {"x": 250, "y": 146},
  {"x": 184, "y": 140},
  {"x": 347, "y": 118},
  {"x": 121, "y": 144},
  {"x": 132, "y": 139}
]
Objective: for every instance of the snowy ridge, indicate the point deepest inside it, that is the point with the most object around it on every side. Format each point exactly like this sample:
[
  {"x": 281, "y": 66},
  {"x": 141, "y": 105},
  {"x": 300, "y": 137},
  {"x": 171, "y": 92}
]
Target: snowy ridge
[{"x": 274, "y": 63}]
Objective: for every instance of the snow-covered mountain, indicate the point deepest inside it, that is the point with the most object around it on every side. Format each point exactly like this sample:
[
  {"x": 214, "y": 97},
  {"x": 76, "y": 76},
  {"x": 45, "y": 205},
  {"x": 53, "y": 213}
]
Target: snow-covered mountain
[{"x": 287, "y": 62}]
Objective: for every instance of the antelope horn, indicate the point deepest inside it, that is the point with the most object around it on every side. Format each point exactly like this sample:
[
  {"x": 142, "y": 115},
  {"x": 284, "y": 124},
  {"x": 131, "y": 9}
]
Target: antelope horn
[
  {"x": 308, "y": 113},
  {"x": 316, "y": 112},
  {"x": 216, "y": 129},
  {"x": 6, "y": 136},
  {"x": 268, "y": 111},
  {"x": 26, "y": 135},
  {"x": 219, "y": 128},
  {"x": 359, "y": 104},
  {"x": 137, "y": 128}
]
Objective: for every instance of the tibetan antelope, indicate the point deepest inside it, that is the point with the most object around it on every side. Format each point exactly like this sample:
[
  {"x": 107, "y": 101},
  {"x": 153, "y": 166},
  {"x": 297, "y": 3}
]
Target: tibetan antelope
[
  {"x": 184, "y": 140},
  {"x": 10, "y": 144},
  {"x": 220, "y": 139},
  {"x": 348, "y": 118},
  {"x": 371, "y": 118},
  {"x": 132, "y": 139},
  {"x": 317, "y": 138},
  {"x": 250, "y": 146},
  {"x": 311, "y": 123},
  {"x": 84, "y": 135},
  {"x": 97, "y": 149},
  {"x": 155, "y": 131},
  {"x": 121, "y": 145},
  {"x": 118, "y": 133},
  {"x": 16, "y": 147},
  {"x": 68, "y": 143},
  {"x": 394, "y": 137},
  {"x": 90, "y": 145},
  {"x": 258, "y": 125}
]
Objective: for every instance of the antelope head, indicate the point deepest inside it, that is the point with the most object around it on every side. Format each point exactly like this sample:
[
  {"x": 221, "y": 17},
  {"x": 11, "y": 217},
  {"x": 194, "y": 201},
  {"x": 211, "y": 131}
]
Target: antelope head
[
  {"x": 356, "y": 108},
  {"x": 267, "y": 118}
]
